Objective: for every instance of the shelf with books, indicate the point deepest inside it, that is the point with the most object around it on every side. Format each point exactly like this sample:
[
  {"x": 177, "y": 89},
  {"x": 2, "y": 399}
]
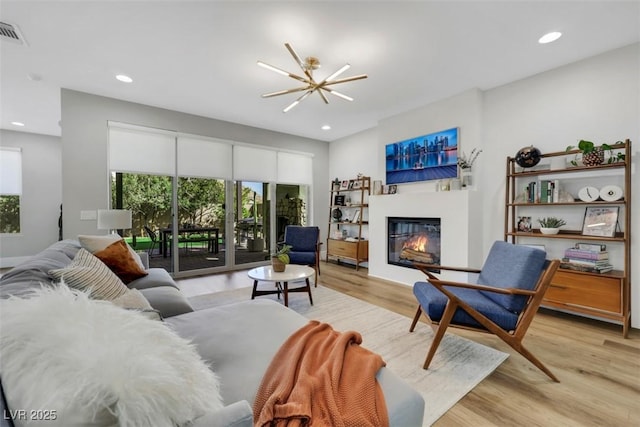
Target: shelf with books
[
  {"x": 348, "y": 219},
  {"x": 598, "y": 288}
]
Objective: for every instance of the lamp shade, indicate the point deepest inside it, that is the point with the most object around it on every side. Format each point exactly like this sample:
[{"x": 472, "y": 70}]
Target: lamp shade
[{"x": 114, "y": 219}]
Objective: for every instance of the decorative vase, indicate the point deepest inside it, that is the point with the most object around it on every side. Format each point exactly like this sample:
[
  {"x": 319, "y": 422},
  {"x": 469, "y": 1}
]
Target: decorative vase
[
  {"x": 545, "y": 230},
  {"x": 467, "y": 177},
  {"x": 277, "y": 264}
]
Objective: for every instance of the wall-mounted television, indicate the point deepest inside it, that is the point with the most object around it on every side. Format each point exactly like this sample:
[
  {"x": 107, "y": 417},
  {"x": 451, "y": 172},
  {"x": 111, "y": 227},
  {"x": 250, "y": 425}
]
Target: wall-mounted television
[{"x": 423, "y": 158}]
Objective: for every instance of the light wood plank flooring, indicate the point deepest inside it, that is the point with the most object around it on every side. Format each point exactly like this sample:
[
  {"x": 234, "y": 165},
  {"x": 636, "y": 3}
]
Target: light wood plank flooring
[{"x": 598, "y": 369}]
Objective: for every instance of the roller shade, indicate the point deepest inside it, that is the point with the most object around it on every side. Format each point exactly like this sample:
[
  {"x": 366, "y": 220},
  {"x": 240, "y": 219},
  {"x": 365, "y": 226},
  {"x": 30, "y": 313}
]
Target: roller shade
[
  {"x": 10, "y": 171},
  {"x": 254, "y": 164},
  {"x": 204, "y": 158},
  {"x": 141, "y": 151},
  {"x": 295, "y": 168}
]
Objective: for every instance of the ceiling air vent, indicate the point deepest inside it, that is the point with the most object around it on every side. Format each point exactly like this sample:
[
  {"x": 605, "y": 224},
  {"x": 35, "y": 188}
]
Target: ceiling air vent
[{"x": 11, "y": 33}]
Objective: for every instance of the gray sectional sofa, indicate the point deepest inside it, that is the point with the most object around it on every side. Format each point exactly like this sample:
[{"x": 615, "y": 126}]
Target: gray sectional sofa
[{"x": 237, "y": 340}]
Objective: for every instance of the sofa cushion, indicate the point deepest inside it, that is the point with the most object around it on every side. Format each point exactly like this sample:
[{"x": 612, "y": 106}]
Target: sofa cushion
[
  {"x": 117, "y": 257},
  {"x": 99, "y": 242},
  {"x": 34, "y": 272},
  {"x": 88, "y": 273},
  {"x": 167, "y": 300},
  {"x": 97, "y": 364}
]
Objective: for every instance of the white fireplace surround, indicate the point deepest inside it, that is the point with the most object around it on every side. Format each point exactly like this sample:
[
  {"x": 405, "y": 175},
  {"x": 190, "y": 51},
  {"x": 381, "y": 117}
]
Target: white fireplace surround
[{"x": 461, "y": 230}]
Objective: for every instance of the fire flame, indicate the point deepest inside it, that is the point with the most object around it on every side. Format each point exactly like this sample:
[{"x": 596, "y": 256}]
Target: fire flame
[{"x": 419, "y": 243}]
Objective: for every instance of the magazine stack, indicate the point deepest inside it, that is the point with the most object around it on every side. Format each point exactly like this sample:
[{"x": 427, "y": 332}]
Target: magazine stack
[{"x": 589, "y": 257}]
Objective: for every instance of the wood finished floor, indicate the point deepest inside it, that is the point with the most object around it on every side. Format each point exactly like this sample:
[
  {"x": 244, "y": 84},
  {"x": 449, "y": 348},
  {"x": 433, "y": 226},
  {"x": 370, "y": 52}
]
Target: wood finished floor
[{"x": 598, "y": 369}]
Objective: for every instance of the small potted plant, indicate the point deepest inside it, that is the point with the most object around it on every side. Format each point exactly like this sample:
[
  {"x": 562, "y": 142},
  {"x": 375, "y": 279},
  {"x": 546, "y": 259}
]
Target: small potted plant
[
  {"x": 551, "y": 225},
  {"x": 593, "y": 155},
  {"x": 280, "y": 259}
]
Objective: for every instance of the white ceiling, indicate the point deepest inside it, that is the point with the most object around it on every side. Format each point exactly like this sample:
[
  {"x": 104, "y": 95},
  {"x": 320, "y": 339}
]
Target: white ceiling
[{"x": 200, "y": 57}]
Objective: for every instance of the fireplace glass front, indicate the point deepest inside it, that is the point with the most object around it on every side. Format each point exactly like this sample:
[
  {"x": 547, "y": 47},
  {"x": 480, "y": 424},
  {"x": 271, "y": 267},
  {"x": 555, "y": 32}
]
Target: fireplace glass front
[{"x": 413, "y": 240}]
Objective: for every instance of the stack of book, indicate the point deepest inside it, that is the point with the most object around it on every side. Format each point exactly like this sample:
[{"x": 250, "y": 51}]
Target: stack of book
[{"x": 590, "y": 257}]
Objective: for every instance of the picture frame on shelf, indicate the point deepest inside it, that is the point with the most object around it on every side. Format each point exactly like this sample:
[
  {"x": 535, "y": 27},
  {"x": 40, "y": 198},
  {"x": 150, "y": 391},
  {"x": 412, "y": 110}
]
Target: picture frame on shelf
[
  {"x": 524, "y": 224},
  {"x": 393, "y": 189},
  {"x": 356, "y": 216},
  {"x": 344, "y": 184},
  {"x": 339, "y": 200},
  {"x": 351, "y": 182},
  {"x": 600, "y": 221},
  {"x": 357, "y": 184}
]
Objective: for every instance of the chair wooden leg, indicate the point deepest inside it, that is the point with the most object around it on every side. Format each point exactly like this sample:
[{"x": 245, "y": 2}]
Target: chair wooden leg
[
  {"x": 531, "y": 358},
  {"x": 416, "y": 318},
  {"x": 437, "y": 338}
]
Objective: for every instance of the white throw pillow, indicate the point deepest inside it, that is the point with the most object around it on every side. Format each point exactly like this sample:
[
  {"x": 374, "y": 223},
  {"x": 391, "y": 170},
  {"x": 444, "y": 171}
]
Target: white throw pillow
[{"x": 96, "y": 364}]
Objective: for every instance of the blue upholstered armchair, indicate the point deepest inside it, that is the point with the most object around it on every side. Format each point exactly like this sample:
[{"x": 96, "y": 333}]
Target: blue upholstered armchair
[
  {"x": 503, "y": 301},
  {"x": 305, "y": 247}
]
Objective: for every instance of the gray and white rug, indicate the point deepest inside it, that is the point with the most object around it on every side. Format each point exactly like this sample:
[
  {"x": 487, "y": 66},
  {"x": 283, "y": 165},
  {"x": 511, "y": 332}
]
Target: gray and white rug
[{"x": 458, "y": 366}]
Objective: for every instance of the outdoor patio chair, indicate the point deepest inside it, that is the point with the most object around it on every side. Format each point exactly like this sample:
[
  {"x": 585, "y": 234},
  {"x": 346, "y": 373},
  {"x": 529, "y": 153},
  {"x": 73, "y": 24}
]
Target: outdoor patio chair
[
  {"x": 503, "y": 301},
  {"x": 154, "y": 240}
]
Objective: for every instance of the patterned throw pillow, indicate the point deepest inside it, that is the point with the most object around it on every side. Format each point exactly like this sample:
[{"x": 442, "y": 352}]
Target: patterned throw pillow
[
  {"x": 117, "y": 257},
  {"x": 86, "y": 272}
]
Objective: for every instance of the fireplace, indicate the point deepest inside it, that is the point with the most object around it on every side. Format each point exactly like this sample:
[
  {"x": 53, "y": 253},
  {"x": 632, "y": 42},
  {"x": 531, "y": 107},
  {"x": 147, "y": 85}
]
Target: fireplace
[{"x": 413, "y": 240}]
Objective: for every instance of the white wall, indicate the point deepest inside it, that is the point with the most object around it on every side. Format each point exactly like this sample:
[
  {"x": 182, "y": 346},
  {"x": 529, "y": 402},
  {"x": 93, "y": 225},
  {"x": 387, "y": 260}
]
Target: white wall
[
  {"x": 84, "y": 150},
  {"x": 41, "y": 195},
  {"x": 596, "y": 99}
]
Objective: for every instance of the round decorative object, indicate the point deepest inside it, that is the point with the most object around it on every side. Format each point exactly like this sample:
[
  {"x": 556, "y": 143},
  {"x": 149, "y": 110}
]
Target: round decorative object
[
  {"x": 611, "y": 193},
  {"x": 593, "y": 158},
  {"x": 588, "y": 194},
  {"x": 336, "y": 214},
  {"x": 545, "y": 230},
  {"x": 528, "y": 157}
]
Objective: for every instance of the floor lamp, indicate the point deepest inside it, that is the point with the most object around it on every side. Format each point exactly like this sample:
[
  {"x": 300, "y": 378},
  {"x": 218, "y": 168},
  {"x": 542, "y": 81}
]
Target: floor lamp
[{"x": 114, "y": 219}]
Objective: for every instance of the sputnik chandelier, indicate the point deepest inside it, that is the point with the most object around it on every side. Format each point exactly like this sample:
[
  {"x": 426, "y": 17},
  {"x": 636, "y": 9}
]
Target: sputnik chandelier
[{"x": 310, "y": 85}]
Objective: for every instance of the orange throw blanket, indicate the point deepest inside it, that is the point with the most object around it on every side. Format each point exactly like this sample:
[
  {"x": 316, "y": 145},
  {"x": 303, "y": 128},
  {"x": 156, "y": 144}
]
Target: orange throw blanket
[{"x": 321, "y": 377}]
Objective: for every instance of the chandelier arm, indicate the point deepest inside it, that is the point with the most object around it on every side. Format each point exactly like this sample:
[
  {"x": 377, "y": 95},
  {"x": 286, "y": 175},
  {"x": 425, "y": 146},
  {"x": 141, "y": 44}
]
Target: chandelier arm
[
  {"x": 285, "y": 92},
  {"x": 322, "y": 95},
  {"x": 338, "y": 94},
  {"x": 346, "y": 79},
  {"x": 299, "y": 61},
  {"x": 283, "y": 72},
  {"x": 297, "y": 101}
]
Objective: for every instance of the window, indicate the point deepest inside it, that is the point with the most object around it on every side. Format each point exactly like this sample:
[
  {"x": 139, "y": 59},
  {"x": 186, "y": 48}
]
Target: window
[{"x": 10, "y": 189}]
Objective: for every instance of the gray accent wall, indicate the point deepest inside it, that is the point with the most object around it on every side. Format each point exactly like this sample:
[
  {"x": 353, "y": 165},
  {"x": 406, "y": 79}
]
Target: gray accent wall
[
  {"x": 41, "y": 195},
  {"x": 84, "y": 151}
]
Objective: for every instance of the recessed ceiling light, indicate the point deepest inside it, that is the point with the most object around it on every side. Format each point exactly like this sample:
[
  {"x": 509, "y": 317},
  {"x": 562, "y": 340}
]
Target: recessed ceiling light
[
  {"x": 17, "y": 124},
  {"x": 124, "y": 78},
  {"x": 326, "y": 127},
  {"x": 550, "y": 37}
]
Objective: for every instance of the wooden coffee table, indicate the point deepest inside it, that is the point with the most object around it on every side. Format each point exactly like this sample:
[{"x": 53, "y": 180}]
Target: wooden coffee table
[{"x": 292, "y": 273}]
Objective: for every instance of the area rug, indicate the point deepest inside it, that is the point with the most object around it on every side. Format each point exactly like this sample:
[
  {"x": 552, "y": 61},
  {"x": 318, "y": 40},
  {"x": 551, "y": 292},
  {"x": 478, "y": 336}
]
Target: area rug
[{"x": 458, "y": 366}]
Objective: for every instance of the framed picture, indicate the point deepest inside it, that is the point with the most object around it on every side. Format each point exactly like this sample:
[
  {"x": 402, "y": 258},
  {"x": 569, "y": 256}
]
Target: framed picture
[
  {"x": 351, "y": 182},
  {"x": 357, "y": 184},
  {"x": 423, "y": 158},
  {"x": 524, "y": 224},
  {"x": 356, "y": 216},
  {"x": 385, "y": 189},
  {"x": 339, "y": 200},
  {"x": 600, "y": 221},
  {"x": 344, "y": 185},
  {"x": 393, "y": 189}
]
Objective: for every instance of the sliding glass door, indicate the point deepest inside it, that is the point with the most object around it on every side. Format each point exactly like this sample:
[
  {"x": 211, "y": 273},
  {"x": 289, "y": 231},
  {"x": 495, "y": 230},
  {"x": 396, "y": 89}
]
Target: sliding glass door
[{"x": 202, "y": 205}]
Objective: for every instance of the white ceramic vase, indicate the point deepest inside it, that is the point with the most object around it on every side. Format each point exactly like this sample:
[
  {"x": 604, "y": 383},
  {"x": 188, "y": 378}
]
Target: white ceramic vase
[{"x": 545, "y": 230}]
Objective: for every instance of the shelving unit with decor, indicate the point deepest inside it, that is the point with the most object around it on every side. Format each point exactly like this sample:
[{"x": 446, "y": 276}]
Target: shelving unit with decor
[
  {"x": 345, "y": 236},
  {"x": 603, "y": 296}
]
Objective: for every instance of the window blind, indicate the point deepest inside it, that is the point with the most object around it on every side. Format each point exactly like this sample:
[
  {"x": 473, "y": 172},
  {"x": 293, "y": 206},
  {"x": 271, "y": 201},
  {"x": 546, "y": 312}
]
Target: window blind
[{"x": 10, "y": 171}]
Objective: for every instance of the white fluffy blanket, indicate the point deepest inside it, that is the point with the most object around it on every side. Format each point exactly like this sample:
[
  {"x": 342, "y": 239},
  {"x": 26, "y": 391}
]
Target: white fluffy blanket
[{"x": 93, "y": 363}]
